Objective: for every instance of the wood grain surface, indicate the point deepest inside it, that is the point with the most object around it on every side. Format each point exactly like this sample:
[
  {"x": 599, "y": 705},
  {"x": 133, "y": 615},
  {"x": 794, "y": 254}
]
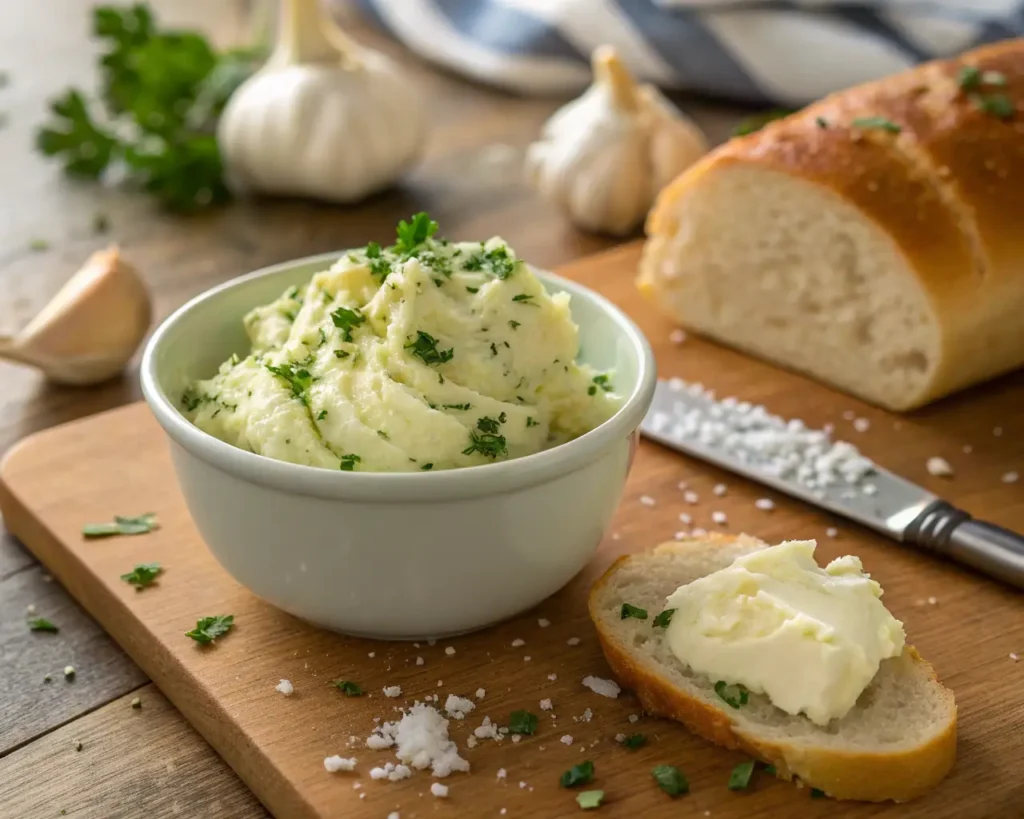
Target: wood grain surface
[{"x": 966, "y": 625}]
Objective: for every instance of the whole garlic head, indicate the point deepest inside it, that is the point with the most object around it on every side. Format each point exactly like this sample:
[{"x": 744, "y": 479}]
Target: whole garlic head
[
  {"x": 324, "y": 118},
  {"x": 604, "y": 157}
]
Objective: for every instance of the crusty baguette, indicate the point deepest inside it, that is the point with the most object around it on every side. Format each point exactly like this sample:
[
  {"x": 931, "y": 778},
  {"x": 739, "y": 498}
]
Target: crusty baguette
[
  {"x": 890, "y": 265},
  {"x": 897, "y": 742}
]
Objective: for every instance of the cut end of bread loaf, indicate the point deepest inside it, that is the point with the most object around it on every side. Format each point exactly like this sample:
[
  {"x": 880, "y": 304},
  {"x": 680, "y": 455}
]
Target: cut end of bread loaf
[
  {"x": 799, "y": 277},
  {"x": 898, "y": 742}
]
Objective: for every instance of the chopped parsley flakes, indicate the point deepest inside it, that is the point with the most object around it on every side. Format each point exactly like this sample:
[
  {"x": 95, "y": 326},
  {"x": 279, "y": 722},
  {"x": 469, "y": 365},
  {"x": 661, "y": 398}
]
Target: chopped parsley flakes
[
  {"x": 663, "y": 619},
  {"x": 522, "y": 722},
  {"x": 741, "y": 775},
  {"x": 629, "y": 610},
  {"x": 590, "y": 800},
  {"x": 579, "y": 774},
  {"x": 209, "y": 629},
  {"x": 414, "y": 233},
  {"x": 523, "y": 298},
  {"x": 348, "y": 688},
  {"x": 671, "y": 780},
  {"x": 42, "y": 624},
  {"x": 348, "y": 462},
  {"x": 497, "y": 262},
  {"x": 424, "y": 347},
  {"x": 735, "y": 696},
  {"x": 634, "y": 741},
  {"x": 347, "y": 320},
  {"x": 877, "y": 123},
  {"x": 143, "y": 575},
  {"x": 140, "y": 525}
]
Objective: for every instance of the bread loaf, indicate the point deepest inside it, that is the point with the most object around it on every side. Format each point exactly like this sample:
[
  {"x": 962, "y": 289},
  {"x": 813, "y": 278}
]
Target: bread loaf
[
  {"x": 874, "y": 240},
  {"x": 897, "y": 742}
]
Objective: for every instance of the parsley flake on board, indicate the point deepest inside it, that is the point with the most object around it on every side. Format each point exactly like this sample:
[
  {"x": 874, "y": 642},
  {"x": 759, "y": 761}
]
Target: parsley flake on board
[
  {"x": 999, "y": 106},
  {"x": 144, "y": 574},
  {"x": 424, "y": 347},
  {"x": 42, "y": 624},
  {"x": 629, "y": 610},
  {"x": 121, "y": 525},
  {"x": 348, "y": 462},
  {"x": 741, "y": 775},
  {"x": 522, "y": 722},
  {"x": 877, "y": 123},
  {"x": 735, "y": 696},
  {"x": 347, "y": 320},
  {"x": 348, "y": 688},
  {"x": 671, "y": 780},
  {"x": 209, "y": 629},
  {"x": 579, "y": 774},
  {"x": 590, "y": 800},
  {"x": 663, "y": 619},
  {"x": 634, "y": 741}
]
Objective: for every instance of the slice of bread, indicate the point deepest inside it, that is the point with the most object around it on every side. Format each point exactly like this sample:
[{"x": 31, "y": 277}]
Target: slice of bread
[{"x": 897, "y": 742}]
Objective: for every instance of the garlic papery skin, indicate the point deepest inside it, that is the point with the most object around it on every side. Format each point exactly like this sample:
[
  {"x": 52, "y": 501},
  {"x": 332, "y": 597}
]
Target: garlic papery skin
[
  {"x": 603, "y": 157},
  {"x": 324, "y": 118}
]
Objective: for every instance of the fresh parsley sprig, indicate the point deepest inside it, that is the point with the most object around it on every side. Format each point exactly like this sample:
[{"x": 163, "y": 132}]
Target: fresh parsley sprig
[
  {"x": 579, "y": 774},
  {"x": 143, "y": 575},
  {"x": 42, "y": 624},
  {"x": 209, "y": 629}
]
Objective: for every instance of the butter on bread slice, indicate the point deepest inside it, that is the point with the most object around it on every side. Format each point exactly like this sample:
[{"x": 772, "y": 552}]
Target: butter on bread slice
[{"x": 897, "y": 742}]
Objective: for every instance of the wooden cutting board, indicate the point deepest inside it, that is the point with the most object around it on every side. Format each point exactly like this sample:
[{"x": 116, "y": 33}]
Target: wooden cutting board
[{"x": 117, "y": 463}]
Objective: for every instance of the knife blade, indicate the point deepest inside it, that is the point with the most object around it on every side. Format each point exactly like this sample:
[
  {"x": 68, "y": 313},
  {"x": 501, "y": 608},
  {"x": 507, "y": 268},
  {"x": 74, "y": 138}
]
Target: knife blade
[{"x": 807, "y": 464}]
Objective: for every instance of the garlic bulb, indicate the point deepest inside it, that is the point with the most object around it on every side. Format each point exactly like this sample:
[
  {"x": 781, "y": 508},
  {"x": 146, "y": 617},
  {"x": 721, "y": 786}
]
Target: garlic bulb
[
  {"x": 604, "y": 157},
  {"x": 324, "y": 118}
]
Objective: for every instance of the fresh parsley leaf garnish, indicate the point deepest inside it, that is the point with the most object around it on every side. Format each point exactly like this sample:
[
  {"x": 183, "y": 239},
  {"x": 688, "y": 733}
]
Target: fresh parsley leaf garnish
[
  {"x": 522, "y": 298},
  {"x": 735, "y": 696},
  {"x": 497, "y": 262},
  {"x": 321, "y": 415},
  {"x": 671, "y": 780},
  {"x": 427, "y": 467},
  {"x": 522, "y": 722},
  {"x": 821, "y": 122},
  {"x": 299, "y": 379},
  {"x": 380, "y": 267},
  {"x": 769, "y": 769},
  {"x": 663, "y": 619},
  {"x": 877, "y": 123},
  {"x": 740, "y": 777},
  {"x": 348, "y": 688},
  {"x": 457, "y": 406},
  {"x": 971, "y": 78},
  {"x": 472, "y": 289},
  {"x": 144, "y": 574},
  {"x": 579, "y": 774},
  {"x": 348, "y": 462},
  {"x": 603, "y": 381},
  {"x": 347, "y": 320},
  {"x": 342, "y": 353},
  {"x": 140, "y": 525},
  {"x": 531, "y": 422},
  {"x": 999, "y": 106},
  {"x": 629, "y": 610},
  {"x": 424, "y": 347},
  {"x": 494, "y": 349},
  {"x": 755, "y": 123},
  {"x": 513, "y": 323},
  {"x": 489, "y": 425},
  {"x": 209, "y": 629},
  {"x": 634, "y": 741},
  {"x": 42, "y": 624},
  {"x": 590, "y": 800},
  {"x": 413, "y": 233}
]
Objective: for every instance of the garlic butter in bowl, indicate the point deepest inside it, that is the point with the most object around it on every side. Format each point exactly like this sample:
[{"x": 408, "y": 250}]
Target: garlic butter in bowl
[{"x": 403, "y": 441}]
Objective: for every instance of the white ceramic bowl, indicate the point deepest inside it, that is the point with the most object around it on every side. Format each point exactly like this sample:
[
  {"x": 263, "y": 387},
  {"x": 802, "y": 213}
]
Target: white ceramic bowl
[{"x": 396, "y": 556}]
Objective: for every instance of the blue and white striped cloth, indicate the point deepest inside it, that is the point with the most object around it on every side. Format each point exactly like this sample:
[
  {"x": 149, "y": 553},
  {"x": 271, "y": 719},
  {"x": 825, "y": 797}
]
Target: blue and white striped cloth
[{"x": 780, "y": 52}]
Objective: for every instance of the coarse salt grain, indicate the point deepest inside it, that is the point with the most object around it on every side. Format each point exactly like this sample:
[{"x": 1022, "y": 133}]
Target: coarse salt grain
[
  {"x": 677, "y": 336},
  {"x": 552, "y": 677},
  {"x": 285, "y": 687},
  {"x": 1011, "y": 477},
  {"x": 393, "y": 815},
  {"x": 516, "y": 643},
  {"x": 502, "y": 773},
  {"x": 566, "y": 740},
  {"x": 516, "y": 738},
  {"x": 545, "y": 705},
  {"x": 419, "y": 661},
  {"x": 1014, "y": 656},
  {"x": 573, "y": 641},
  {"x": 690, "y": 497},
  {"x": 439, "y": 790},
  {"x": 647, "y": 500},
  {"x": 393, "y": 691},
  {"x": 487, "y": 730},
  {"x": 480, "y": 693},
  {"x": 471, "y": 742},
  {"x": 527, "y": 658},
  {"x": 30, "y": 609},
  {"x": 932, "y": 601},
  {"x": 680, "y": 536},
  {"x": 543, "y": 622},
  {"x": 420, "y": 739},
  {"x": 633, "y": 718},
  {"x": 997, "y": 431},
  {"x": 620, "y": 737},
  {"x": 720, "y": 518},
  {"x": 939, "y": 467},
  {"x": 765, "y": 504},
  {"x": 720, "y": 490},
  {"x": 458, "y": 707},
  {"x": 606, "y": 688},
  {"x": 831, "y": 532},
  {"x": 685, "y": 518},
  {"x": 449, "y": 650},
  {"x": 333, "y": 764},
  {"x": 861, "y": 424},
  {"x": 698, "y": 531},
  {"x": 391, "y": 772},
  {"x": 372, "y": 654}
]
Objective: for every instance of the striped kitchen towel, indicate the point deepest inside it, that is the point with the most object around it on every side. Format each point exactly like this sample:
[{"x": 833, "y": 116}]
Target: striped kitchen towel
[{"x": 779, "y": 52}]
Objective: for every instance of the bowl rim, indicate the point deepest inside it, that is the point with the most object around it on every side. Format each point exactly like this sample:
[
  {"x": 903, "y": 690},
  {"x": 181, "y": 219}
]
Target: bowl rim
[{"x": 386, "y": 487}]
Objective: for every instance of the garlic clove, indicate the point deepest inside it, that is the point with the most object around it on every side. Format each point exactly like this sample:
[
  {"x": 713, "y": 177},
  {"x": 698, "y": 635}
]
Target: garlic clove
[
  {"x": 603, "y": 157},
  {"x": 91, "y": 328}
]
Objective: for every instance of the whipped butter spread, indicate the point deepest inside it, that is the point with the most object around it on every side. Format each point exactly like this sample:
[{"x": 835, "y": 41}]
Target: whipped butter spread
[
  {"x": 811, "y": 639},
  {"x": 424, "y": 355}
]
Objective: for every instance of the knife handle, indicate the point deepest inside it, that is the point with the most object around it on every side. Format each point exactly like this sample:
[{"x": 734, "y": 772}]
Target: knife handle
[{"x": 951, "y": 532}]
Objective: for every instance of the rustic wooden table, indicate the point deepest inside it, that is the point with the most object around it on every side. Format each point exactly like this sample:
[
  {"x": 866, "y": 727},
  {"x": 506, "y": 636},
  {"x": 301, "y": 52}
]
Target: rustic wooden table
[{"x": 469, "y": 181}]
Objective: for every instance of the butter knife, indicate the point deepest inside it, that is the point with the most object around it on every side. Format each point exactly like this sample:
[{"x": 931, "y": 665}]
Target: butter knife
[{"x": 807, "y": 464}]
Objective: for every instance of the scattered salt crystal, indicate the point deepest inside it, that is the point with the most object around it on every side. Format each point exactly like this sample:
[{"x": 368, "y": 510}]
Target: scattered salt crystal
[
  {"x": 620, "y": 737},
  {"x": 690, "y": 497},
  {"x": 30, "y": 609},
  {"x": 861, "y": 424},
  {"x": 471, "y": 742},
  {"x": 606, "y": 688},
  {"x": 516, "y": 643},
  {"x": 765, "y": 504},
  {"x": 932, "y": 601},
  {"x": 480, "y": 693},
  {"x": 633, "y": 718},
  {"x": 552, "y": 677},
  {"x": 516, "y": 738},
  {"x": 869, "y": 489},
  {"x": 502, "y": 773},
  {"x": 968, "y": 449},
  {"x": 573, "y": 641},
  {"x": 939, "y": 467},
  {"x": 720, "y": 518},
  {"x": 421, "y": 740},
  {"x": 680, "y": 536},
  {"x": 522, "y": 785},
  {"x": 587, "y": 715},
  {"x": 849, "y": 415},
  {"x": 1014, "y": 656},
  {"x": 419, "y": 661},
  {"x": 527, "y": 658},
  {"x": 697, "y": 531},
  {"x": 449, "y": 650},
  {"x": 1011, "y": 477},
  {"x": 720, "y": 489},
  {"x": 458, "y": 707},
  {"x": 677, "y": 336},
  {"x": 439, "y": 790},
  {"x": 372, "y": 654},
  {"x": 333, "y": 764},
  {"x": 997, "y": 431},
  {"x": 393, "y": 691},
  {"x": 566, "y": 740},
  {"x": 285, "y": 687},
  {"x": 685, "y": 518},
  {"x": 545, "y": 705},
  {"x": 831, "y": 532},
  {"x": 391, "y": 772},
  {"x": 647, "y": 500},
  {"x": 683, "y": 485},
  {"x": 393, "y": 815},
  {"x": 543, "y": 622}
]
